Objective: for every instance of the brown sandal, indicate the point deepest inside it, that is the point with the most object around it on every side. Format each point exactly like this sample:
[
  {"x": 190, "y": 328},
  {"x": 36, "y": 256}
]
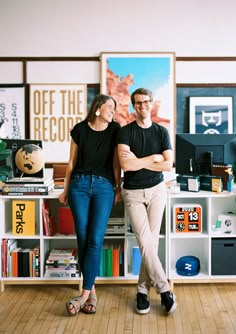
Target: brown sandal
[
  {"x": 92, "y": 301},
  {"x": 74, "y": 302}
]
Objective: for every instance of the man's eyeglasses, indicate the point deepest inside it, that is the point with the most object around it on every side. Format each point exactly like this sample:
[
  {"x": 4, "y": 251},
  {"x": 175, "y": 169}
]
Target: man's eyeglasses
[{"x": 140, "y": 103}]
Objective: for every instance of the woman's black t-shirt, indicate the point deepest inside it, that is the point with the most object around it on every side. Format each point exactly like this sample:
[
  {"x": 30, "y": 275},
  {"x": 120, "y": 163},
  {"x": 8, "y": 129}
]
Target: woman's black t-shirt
[
  {"x": 95, "y": 149},
  {"x": 144, "y": 142}
]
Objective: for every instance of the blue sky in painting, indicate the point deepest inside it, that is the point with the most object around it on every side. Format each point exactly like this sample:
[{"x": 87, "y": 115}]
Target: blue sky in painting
[{"x": 148, "y": 72}]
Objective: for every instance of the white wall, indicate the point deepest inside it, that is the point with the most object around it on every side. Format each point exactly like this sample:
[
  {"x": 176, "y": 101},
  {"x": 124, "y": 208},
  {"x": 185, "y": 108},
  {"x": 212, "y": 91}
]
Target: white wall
[
  {"x": 80, "y": 28},
  {"x": 85, "y": 28}
]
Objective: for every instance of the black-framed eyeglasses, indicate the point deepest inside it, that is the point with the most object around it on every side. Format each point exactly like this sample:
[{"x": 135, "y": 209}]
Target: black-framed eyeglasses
[{"x": 140, "y": 103}]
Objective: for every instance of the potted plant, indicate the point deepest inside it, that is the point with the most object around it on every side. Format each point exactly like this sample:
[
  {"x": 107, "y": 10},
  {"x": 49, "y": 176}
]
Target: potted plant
[{"x": 4, "y": 169}]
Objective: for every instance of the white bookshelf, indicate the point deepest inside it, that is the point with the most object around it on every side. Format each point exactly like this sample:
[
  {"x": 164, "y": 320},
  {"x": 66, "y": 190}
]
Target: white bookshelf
[
  {"x": 126, "y": 238},
  {"x": 171, "y": 245},
  {"x": 200, "y": 244}
]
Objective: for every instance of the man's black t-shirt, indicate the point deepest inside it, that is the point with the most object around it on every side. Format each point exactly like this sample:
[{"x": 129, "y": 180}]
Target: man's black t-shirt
[
  {"x": 96, "y": 149},
  {"x": 144, "y": 142}
]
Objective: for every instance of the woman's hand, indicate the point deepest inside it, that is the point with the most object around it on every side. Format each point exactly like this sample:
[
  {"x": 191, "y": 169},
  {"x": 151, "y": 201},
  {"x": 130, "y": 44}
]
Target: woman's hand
[
  {"x": 118, "y": 196},
  {"x": 63, "y": 198}
]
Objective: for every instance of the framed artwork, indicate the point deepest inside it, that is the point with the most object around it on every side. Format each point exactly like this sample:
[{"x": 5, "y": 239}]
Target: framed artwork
[
  {"x": 54, "y": 110},
  {"x": 122, "y": 73},
  {"x": 12, "y": 111},
  {"x": 211, "y": 114}
]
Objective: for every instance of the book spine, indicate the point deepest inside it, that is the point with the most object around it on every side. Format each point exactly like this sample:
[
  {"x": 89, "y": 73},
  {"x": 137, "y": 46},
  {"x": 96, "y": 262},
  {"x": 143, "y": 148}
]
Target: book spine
[
  {"x": 109, "y": 261},
  {"x": 28, "y": 181},
  {"x": 36, "y": 262},
  {"x": 11, "y": 245},
  {"x": 26, "y": 189},
  {"x": 46, "y": 214},
  {"x": 61, "y": 258},
  {"x": 31, "y": 260},
  {"x": 27, "y": 193},
  {"x": 25, "y": 270},
  {"x": 15, "y": 256},
  {"x": 116, "y": 262},
  {"x": 52, "y": 225},
  {"x": 63, "y": 251},
  {"x": 9, "y": 264},
  {"x": 122, "y": 269},
  {"x": 59, "y": 262},
  {"x": 62, "y": 273},
  {"x": 20, "y": 266},
  {"x": 68, "y": 266},
  {"x": 4, "y": 257}
]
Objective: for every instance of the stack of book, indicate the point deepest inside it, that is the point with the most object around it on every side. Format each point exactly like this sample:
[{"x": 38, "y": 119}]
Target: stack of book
[
  {"x": 62, "y": 262},
  {"x": 28, "y": 186},
  {"x": 19, "y": 261},
  {"x": 116, "y": 226}
]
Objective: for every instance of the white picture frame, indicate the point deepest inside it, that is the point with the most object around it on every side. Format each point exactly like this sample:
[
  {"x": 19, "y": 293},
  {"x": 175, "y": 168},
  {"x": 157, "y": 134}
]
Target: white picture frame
[{"x": 211, "y": 114}]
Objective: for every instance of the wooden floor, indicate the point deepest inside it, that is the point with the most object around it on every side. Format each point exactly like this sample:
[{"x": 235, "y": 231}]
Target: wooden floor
[{"x": 202, "y": 308}]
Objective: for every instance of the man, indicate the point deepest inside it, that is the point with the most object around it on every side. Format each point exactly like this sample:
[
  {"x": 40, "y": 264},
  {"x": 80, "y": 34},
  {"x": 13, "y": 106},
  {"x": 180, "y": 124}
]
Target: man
[{"x": 144, "y": 151}]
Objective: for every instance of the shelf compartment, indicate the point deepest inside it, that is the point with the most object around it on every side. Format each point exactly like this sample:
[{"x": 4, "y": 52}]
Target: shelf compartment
[
  {"x": 198, "y": 247},
  {"x": 132, "y": 242},
  {"x": 6, "y": 210},
  {"x": 223, "y": 253}
]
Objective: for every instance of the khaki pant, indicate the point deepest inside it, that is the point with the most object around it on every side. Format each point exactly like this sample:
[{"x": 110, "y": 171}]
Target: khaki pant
[{"x": 145, "y": 209}]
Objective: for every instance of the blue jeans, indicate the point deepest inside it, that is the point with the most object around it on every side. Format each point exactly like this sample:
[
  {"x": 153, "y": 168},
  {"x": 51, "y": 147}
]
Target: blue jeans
[{"x": 91, "y": 199}]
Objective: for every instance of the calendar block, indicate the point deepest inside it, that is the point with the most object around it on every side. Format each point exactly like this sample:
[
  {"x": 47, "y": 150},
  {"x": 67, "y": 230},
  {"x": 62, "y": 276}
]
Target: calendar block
[{"x": 187, "y": 218}]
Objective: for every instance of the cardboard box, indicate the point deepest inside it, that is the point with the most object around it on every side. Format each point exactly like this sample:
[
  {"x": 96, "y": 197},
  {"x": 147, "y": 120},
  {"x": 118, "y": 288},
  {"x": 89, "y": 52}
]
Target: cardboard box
[
  {"x": 189, "y": 182},
  {"x": 211, "y": 183},
  {"x": 219, "y": 170},
  {"x": 23, "y": 217}
]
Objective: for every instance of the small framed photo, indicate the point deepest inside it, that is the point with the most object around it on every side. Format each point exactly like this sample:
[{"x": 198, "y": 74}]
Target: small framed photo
[{"x": 211, "y": 114}]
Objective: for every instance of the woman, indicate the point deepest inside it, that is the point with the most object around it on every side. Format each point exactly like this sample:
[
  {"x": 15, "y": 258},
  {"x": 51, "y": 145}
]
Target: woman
[{"x": 92, "y": 187}]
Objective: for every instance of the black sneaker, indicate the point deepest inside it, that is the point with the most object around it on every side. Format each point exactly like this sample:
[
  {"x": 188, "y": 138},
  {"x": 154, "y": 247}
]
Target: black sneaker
[
  {"x": 168, "y": 302},
  {"x": 142, "y": 306}
]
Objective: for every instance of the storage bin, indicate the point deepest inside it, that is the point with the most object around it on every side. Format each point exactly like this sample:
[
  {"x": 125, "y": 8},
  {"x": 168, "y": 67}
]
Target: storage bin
[{"x": 223, "y": 254}]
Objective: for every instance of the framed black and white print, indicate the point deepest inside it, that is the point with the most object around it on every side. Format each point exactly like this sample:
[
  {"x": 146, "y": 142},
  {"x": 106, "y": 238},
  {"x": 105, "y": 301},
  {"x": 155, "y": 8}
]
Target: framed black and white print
[
  {"x": 12, "y": 111},
  {"x": 211, "y": 114}
]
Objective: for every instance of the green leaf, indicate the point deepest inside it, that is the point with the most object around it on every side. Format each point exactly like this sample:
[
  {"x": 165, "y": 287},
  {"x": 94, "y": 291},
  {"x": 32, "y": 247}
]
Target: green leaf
[
  {"x": 3, "y": 145},
  {"x": 4, "y": 154},
  {"x": 5, "y": 169}
]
